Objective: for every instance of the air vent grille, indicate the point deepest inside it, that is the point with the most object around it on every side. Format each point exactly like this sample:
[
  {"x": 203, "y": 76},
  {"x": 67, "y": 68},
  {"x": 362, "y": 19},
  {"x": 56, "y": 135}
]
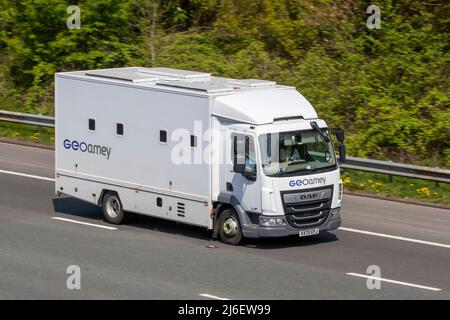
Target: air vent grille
[{"x": 181, "y": 209}]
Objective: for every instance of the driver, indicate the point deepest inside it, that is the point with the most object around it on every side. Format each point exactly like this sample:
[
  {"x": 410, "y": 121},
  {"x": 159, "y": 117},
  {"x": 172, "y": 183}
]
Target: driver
[{"x": 289, "y": 153}]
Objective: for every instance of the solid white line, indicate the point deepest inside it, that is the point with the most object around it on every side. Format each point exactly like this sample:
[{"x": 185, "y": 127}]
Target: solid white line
[
  {"x": 396, "y": 237},
  {"x": 212, "y": 297},
  {"x": 394, "y": 281},
  {"x": 26, "y": 175},
  {"x": 84, "y": 223}
]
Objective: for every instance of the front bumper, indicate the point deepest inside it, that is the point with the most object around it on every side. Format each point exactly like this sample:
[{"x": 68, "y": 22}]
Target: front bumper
[{"x": 260, "y": 231}]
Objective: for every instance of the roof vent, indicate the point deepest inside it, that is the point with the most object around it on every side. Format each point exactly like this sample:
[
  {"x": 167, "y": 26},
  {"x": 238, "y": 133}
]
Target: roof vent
[
  {"x": 175, "y": 73},
  {"x": 125, "y": 74},
  {"x": 207, "y": 87},
  {"x": 254, "y": 83}
]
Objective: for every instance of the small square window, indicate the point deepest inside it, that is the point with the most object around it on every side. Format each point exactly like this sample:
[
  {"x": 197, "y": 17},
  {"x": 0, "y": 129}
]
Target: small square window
[
  {"x": 193, "y": 141},
  {"x": 92, "y": 124},
  {"x": 119, "y": 129},
  {"x": 163, "y": 135}
]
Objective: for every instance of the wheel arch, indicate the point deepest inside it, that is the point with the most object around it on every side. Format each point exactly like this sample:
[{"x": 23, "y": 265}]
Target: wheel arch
[
  {"x": 102, "y": 195},
  {"x": 229, "y": 201}
]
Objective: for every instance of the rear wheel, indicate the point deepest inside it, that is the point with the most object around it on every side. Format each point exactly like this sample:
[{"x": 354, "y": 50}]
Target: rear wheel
[
  {"x": 112, "y": 208},
  {"x": 229, "y": 227}
]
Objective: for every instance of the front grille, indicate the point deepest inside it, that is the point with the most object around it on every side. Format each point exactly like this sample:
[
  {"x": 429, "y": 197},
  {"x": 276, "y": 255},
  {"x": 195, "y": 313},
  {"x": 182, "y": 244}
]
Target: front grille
[{"x": 307, "y": 208}]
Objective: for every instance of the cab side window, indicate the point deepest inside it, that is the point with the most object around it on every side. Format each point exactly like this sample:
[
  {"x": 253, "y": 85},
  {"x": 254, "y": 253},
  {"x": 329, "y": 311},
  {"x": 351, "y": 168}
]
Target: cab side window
[{"x": 243, "y": 154}]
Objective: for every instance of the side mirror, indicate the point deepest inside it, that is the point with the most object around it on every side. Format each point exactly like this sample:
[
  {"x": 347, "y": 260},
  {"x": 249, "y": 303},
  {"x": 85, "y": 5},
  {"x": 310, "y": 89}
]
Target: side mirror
[
  {"x": 342, "y": 153},
  {"x": 250, "y": 171},
  {"x": 340, "y": 136}
]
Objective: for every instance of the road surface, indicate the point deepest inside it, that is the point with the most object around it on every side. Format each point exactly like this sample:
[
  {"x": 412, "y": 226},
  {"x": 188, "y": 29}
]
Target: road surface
[{"x": 41, "y": 235}]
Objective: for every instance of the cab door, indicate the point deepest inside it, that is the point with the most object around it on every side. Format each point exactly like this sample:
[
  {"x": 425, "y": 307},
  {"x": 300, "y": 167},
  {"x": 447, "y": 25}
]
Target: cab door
[{"x": 243, "y": 179}]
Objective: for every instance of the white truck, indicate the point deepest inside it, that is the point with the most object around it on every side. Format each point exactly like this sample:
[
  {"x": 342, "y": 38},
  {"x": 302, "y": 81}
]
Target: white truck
[{"x": 243, "y": 158}]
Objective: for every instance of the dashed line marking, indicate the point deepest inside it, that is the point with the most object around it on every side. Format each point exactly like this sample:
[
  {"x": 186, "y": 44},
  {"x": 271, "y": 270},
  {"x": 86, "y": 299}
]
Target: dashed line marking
[
  {"x": 212, "y": 297},
  {"x": 27, "y": 175},
  {"x": 84, "y": 223},
  {"x": 383, "y": 235},
  {"x": 393, "y": 281}
]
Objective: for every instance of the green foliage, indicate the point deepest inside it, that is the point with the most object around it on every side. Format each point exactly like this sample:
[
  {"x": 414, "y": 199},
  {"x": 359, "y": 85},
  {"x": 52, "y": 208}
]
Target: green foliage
[
  {"x": 37, "y": 43},
  {"x": 387, "y": 87}
]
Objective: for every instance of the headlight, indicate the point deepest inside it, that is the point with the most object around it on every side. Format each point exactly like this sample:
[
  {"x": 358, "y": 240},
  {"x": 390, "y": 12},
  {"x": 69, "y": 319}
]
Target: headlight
[
  {"x": 334, "y": 213},
  {"x": 271, "y": 221}
]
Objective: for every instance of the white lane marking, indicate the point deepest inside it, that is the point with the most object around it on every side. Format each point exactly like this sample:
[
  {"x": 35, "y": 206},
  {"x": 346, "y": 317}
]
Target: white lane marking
[
  {"x": 212, "y": 297},
  {"x": 84, "y": 223},
  {"x": 436, "y": 244},
  {"x": 393, "y": 281},
  {"x": 26, "y": 175}
]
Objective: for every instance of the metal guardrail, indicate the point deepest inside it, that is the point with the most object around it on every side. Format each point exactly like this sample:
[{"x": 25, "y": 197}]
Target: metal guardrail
[
  {"x": 397, "y": 169},
  {"x": 353, "y": 163},
  {"x": 27, "y": 118}
]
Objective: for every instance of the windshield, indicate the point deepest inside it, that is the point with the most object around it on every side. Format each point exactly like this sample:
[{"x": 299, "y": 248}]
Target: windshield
[{"x": 296, "y": 153}]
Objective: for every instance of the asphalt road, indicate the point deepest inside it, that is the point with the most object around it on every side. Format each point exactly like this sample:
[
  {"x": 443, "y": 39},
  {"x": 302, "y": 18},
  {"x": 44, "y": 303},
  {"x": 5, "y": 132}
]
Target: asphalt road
[{"x": 157, "y": 259}]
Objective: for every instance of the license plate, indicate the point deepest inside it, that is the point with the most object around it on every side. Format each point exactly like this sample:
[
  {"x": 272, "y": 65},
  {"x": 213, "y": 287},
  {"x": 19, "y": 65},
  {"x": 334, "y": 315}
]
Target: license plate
[{"x": 310, "y": 232}]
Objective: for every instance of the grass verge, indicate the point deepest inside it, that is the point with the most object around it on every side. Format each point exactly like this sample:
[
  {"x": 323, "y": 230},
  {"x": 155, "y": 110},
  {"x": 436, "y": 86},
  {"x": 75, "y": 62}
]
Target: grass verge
[
  {"x": 27, "y": 132},
  {"x": 397, "y": 187}
]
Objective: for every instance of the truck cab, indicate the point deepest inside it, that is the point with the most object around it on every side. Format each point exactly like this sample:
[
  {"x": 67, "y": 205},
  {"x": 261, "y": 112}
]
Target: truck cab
[{"x": 280, "y": 175}]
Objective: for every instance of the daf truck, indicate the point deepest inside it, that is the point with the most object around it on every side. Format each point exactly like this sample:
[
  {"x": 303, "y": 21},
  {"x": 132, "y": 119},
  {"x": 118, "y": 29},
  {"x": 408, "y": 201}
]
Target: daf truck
[{"x": 240, "y": 157}]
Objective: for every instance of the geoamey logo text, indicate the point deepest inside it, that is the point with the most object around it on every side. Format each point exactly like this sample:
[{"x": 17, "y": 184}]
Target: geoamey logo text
[
  {"x": 87, "y": 147},
  {"x": 306, "y": 181}
]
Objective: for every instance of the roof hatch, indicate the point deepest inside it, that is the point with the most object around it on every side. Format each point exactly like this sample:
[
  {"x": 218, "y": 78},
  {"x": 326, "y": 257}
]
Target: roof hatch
[
  {"x": 207, "y": 87},
  {"x": 122, "y": 74},
  {"x": 174, "y": 73},
  {"x": 252, "y": 83}
]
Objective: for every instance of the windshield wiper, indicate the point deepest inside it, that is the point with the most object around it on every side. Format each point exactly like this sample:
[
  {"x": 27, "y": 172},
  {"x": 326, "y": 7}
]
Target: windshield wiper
[
  {"x": 282, "y": 173},
  {"x": 316, "y": 128},
  {"x": 278, "y": 174},
  {"x": 322, "y": 168}
]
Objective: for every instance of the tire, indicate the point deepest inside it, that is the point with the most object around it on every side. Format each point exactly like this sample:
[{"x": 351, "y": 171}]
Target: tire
[
  {"x": 112, "y": 208},
  {"x": 229, "y": 227}
]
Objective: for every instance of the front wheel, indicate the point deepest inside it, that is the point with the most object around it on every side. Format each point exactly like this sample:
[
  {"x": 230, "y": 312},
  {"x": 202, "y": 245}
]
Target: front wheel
[
  {"x": 112, "y": 208},
  {"x": 229, "y": 227}
]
